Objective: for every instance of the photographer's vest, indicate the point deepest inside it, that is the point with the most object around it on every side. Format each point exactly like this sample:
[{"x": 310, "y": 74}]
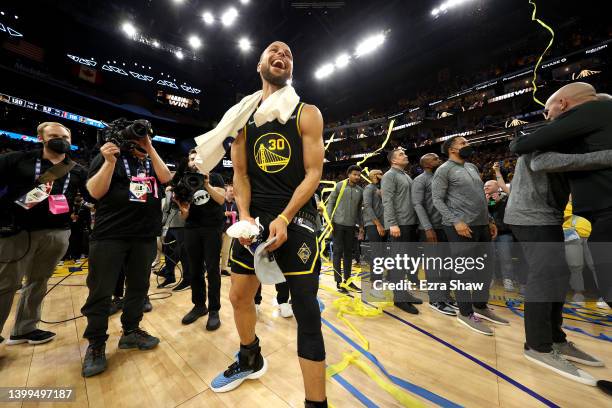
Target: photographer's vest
[{"x": 275, "y": 162}]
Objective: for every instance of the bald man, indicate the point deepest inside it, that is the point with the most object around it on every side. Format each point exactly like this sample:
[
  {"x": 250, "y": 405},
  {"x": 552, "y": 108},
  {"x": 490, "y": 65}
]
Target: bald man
[{"x": 580, "y": 122}]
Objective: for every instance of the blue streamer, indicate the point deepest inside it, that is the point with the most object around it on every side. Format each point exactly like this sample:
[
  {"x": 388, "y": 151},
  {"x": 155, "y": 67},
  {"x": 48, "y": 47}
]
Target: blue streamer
[{"x": 356, "y": 393}]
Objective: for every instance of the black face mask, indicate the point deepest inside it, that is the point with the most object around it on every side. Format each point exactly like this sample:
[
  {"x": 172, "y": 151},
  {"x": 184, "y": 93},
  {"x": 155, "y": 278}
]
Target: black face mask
[
  {"x": 466, "y": 152},
  {"x": 59, "y": 145}
]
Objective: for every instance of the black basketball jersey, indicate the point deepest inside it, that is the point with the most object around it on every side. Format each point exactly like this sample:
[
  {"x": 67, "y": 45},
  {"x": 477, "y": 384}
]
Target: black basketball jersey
[{"x": 275, "y": 163}]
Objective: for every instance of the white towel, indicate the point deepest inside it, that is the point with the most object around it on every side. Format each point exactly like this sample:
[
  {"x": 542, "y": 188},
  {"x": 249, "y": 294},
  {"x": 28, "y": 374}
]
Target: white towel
[{"x": 278, "y": 106}]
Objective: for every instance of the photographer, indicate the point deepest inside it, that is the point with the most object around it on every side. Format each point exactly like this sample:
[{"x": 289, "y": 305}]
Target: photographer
[
  {"x": 35, "y": 232},
  {"x": 204, "y": 216},
  {"x": 126, "y": 183}
]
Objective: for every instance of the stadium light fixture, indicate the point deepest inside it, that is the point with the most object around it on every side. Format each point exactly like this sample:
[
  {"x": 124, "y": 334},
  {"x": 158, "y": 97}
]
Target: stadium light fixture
[
  {"x": 244, "y": 44},
  {"x": 245, "y": 2},
  {"x": 369, "y": 44},
  {"x": 155, "y": 43},
  {"x": 208, "y": 17},
  {"x": 179, "y": 55},
  {"x": 129, "y": 29},
  {"x": 325, "y": 71},
  {"x": 229, "y": 17},
  {"x": 449, "y": 4},
  {"x": 194, "y": 42},
  {"x": 342, "y": 60}
]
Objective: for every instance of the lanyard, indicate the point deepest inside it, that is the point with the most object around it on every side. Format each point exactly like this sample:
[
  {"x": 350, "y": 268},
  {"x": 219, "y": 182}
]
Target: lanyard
[
  {"x": 129, "y": 173},
  {"x": 37, "y": 175}
]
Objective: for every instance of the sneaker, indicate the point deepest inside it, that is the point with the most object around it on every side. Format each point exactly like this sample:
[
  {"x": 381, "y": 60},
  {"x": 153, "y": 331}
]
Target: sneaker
[
  {"x": 183, "y": 285},
  {"x": 194, "y": 314},
  {"x": 116, "y": 305},
  {"x": 605, "y": 386},
  {"x": 487, "y": 314},
  {"x": 570, "y": 352},
  {"x": 443, "y": 308},
  {"x": 474, "y": 323},
  {"x": 508, "y": 285},
  {"x": 602, "y": 304},
  {"x": 225, "y": 273},
  {"x": 285, "y": 310},
  {"x": 453, "y": 304},
  {"x": 407, "y": 307},
  {"x": 239, "y": 371},
  {"x": 213, "y": 322},
  {"x": 147, "y": 307},
  {"x": 341, "y": 289},
  {"x": 354, "y": 287},
  {"x": 139, "y": 339},
  {"x": 167, "y": 282},
  {"x": 34, "y": 337},
  {"x": 555, "y": 362},
  {"x": 95, "y": 360}
]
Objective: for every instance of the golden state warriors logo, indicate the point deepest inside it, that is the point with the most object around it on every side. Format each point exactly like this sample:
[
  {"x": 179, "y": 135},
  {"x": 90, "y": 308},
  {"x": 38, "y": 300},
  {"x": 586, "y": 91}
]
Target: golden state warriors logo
[{"x": 272, "y": 152}]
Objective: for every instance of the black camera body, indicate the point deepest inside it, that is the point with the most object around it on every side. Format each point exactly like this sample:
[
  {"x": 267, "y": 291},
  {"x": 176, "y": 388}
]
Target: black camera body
[
  {"x": 187, "y": 185},
  {"x": 123, "y": 132}
]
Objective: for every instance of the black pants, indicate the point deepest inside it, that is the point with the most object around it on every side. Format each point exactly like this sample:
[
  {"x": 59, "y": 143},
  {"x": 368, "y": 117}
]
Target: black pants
[
  {"x": 343, "y": 238},
  {"x": 106, "y": 259},
  {"x": 601, "y": 240},
  {"x": 203, "y": 245},
  {"x": 465, "y": 298},
  {"x": 174, "y": 251},
  {"x": 547, "y": 270},
  {"x": 75, "y": 244},
  {"x": 372, "y": 234},
  {"x": 408, "y": 233},
  {"x": 282, "y": 293},
  {"x": 120, "y": 285},
  {"x": 435, "y": 275}
]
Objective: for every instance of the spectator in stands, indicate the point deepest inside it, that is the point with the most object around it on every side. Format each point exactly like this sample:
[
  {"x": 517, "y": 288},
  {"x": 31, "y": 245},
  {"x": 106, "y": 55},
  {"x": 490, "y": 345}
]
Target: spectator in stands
[
  {"x": 344, "y": 210},
  {"x": 37, "y": 232}
]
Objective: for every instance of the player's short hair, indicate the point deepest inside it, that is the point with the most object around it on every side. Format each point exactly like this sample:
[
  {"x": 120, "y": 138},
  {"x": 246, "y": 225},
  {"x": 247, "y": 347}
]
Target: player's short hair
[
  {"x": 40, "y": 129},
  {"x": 353, "y": 168}
]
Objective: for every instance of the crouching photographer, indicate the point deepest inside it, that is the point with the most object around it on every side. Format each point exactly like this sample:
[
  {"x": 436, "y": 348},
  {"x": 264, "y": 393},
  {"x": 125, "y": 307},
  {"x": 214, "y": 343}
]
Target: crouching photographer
[
  {"x": 200, "y": 198},
  {"x": 126, "y": 179},
  {"x": 37, "y": 189}
]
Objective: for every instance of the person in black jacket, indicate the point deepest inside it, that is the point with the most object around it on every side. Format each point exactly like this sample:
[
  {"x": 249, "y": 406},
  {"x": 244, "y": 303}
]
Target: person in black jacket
[
  {"x": 580, "y": 123},
  {"x": 35, "y": 251}
]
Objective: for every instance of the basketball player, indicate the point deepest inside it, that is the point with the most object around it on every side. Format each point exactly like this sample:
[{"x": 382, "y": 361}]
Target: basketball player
[{"x": 277, "y": 169}]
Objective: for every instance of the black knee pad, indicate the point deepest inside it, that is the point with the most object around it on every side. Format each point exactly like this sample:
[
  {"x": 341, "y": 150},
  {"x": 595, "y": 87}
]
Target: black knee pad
[{"x": 310, "y": 338}]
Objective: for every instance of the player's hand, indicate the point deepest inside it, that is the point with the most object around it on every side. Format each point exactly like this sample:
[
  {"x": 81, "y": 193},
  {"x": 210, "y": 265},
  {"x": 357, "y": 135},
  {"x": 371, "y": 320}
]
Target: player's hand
[
  {"x": 430, "y": 235},
  {"x": 496, "y": 168},
  {"x": 247, "y": 241},
  {"x": 278, "y": 229},
  {"x": 394, "y": 231},
  {"x": 381, "y": 230},
  {"x": 110, "y": 151},
  {"x": 463, "y": 229},
  {"x": 493, "y": 230}
]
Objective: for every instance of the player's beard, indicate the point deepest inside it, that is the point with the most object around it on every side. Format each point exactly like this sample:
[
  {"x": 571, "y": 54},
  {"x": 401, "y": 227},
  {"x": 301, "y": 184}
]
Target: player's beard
[{"x": 276, "y": 80}]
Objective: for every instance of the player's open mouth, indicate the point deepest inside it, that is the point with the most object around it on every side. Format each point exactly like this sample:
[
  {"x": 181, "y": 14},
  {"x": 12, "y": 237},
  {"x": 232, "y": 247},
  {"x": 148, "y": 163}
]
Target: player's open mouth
[{"x": 280, "y": 64}]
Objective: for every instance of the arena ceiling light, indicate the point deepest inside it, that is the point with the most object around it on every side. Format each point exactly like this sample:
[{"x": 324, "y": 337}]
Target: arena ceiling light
[
  {"x": 194, "y": 42},
  {"x": 369, "y": 44},
  {"x": 129, "y": 29},
  {"x": 244, "y": 1},
  {"x": 229, "y": 17},
  {"x": 342, "y": 60},
  {"x": 155, "y": 43},
  {"x": 244, "y": 44},
  {"x": 444, "y": 7},
  {"x": 325, "y": 71},
  {"x": 179, "y": 54},
  {"x": 208, "y": 17}
]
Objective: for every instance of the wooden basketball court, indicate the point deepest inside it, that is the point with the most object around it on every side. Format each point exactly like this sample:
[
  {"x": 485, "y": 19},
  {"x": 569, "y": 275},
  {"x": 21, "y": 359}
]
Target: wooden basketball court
[{"x": 432, "y": 359}]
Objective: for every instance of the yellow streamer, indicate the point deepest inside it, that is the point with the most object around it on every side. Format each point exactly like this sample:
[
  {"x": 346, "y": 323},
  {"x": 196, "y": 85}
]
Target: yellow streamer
[
  {"x": 329, "y": 141},
  {"x": 389, "y": 131},
  {"x": 550, "y": 43}
]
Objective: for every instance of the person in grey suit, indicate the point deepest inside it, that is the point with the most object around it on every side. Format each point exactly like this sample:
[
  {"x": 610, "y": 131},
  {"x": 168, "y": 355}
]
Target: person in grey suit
[
  {"x": 400, "y": 219},
  {"x": 373, "y": 213}
]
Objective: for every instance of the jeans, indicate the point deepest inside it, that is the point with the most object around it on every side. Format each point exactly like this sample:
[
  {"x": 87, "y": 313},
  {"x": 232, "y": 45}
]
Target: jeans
[{"x": 503, "y": 246}]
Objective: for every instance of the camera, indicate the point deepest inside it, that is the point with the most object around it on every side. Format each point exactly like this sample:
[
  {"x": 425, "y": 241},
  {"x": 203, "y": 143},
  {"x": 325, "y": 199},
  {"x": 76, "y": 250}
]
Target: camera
[
  {"x": 187, "y": 185},
  {"x": 123, "y": 132}
]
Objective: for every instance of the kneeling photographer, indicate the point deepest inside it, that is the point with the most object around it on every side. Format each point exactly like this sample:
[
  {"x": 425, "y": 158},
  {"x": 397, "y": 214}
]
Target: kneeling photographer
[
  {"x": 200, "y": 198},
  {"x": 126, "y": 179},
  {"x": 37, "y": 189}
]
